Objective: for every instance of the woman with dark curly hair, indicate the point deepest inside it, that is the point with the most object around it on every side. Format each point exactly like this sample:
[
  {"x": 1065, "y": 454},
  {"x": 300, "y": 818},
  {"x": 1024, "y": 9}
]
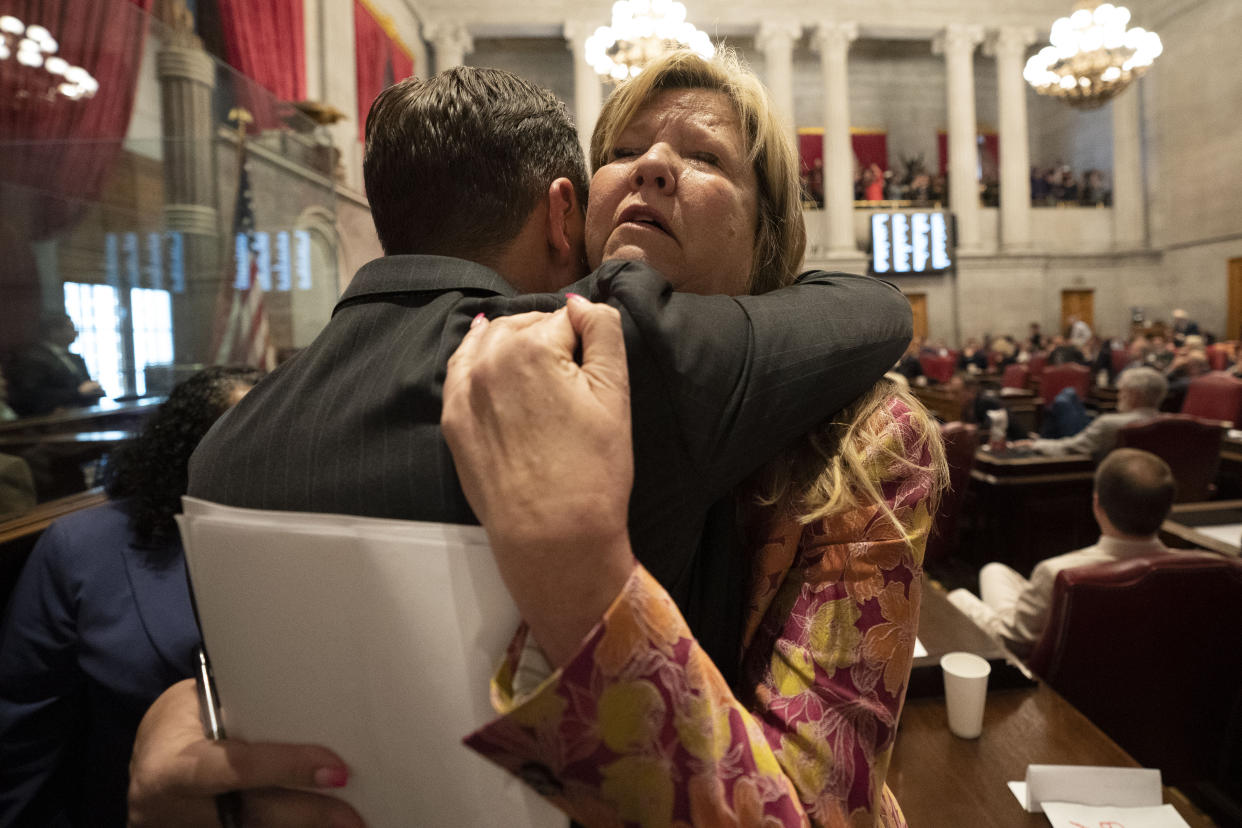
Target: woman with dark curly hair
[{"x": 100, "y": 623}]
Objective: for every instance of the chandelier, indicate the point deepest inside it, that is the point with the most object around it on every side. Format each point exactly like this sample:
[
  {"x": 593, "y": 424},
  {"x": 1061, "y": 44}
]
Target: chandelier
[
  {"x": 30, "y": 52},
  {"x": 1092, "y": 56},
  {"x": 641, "y": 31}
]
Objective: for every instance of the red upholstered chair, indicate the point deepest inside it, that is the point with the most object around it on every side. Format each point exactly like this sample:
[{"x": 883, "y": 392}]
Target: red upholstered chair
[
  {"x": 1015, "y": 376},
  {"x": 1056, "y": 377},
  {"x": 1037, "y": 363},
  {"x": 938, "y": 368},
  {"x": 1216, "y": 396},
  {"x": 1120, "y": 358},
  {"x": 1150, "y": 650},
  {"x": 1190, "y": 445},
  {"x": 961, "y": 440}
]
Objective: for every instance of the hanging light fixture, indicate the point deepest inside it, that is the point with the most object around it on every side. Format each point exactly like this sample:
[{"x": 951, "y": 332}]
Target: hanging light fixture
[
  {"x": 641, "y": 31},
  {"x": 29, "y": 52},
  {"x": 1091, "y": 55}
]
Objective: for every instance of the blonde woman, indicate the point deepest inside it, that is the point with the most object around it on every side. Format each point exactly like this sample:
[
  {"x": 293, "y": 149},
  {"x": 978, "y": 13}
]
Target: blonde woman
[{"x": 637, "y": 726}]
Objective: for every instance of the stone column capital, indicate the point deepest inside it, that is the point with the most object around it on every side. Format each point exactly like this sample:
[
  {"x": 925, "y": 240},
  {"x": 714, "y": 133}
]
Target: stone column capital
[
  {"x": 189, "y": 63},
  {"x": 1008, "y": 41},
  {"x": 776, "y": 33},
  {"x": 832, "y": 37},
  {"x": 956, "y": 38},
  {"x": 449, "y": 36}
]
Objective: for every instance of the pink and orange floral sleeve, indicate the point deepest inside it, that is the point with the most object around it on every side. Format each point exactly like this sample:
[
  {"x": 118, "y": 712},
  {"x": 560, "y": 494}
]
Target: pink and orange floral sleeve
[{"x": 640, "y": 729}]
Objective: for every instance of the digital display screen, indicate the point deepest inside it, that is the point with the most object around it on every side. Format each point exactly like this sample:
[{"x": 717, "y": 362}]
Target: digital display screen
[{"x": 914, "y": 242}]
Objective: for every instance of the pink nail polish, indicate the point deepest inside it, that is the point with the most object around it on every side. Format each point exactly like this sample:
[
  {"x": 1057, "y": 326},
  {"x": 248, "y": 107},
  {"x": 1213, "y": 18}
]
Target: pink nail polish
[
  {"x": 575, "y": 297},
  {"x": 477, "y": 321},
  {"x": 331, "y": 777}
]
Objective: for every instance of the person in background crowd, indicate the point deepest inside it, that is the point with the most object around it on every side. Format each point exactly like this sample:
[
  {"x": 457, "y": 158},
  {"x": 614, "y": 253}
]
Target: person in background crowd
[
  {"x": 1183, "y": 326},
  {"x": 1133, "y": 495},
  {"x": 975, "y": 403},
  {"x": 100, "y": 623},
  {"x": 1062, "y": 352},
  {"x": 1079, "y": 331},
  {"x": 17, "y": 488},
  {"x": 973, "y": 357},
  {"x": 47, "y": 375},
  {"x": 1139, "y": 392},
  {"x": 1036, "y": 340},
  {"x": 1181, "y": 372}
]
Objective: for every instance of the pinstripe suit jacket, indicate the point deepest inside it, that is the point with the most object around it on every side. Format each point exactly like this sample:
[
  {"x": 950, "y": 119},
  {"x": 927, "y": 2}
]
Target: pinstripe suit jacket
[{"x": 719, "y": 385}]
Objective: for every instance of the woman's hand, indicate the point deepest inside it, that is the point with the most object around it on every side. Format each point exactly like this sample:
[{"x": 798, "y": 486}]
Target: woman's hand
[
  {"x": 176, "y": 772},
  {"x": 542, "y": 446}
]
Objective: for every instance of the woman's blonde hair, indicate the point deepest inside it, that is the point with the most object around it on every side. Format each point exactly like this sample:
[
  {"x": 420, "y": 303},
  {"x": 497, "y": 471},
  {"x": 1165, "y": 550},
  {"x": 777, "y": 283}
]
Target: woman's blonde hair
[
  {"x": 834, "y": 468},
  {"x": 780, "y": 237}
]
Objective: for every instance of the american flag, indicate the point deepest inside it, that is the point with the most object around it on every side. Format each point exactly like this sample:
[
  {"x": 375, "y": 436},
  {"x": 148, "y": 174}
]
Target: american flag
[{"x": 242, "y": 334}]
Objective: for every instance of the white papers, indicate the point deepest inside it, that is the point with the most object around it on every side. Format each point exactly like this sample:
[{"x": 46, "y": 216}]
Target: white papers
[
  {"x": 1087, "y": 785},
  {"x": 1069, "y": 815},
  {"x": 375, "y": 638},
  {"x": 1229, "y": 533},
  {"x": 919, "y": 649}
]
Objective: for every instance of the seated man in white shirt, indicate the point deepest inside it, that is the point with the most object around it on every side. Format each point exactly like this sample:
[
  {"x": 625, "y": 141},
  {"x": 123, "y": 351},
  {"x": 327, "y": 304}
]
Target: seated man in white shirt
[
  {"x": 1133, "y": 495},
  {"x": 1139, "y": 392}
]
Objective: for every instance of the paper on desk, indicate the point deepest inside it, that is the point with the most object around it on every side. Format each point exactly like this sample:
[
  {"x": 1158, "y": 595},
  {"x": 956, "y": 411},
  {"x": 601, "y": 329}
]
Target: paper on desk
[
  {"x": 919, "y": 649},
  {"x": 1230, "y": 533},
  {"x": 1070, "y": 815},
  {"x": 376, "y": 638},
  {"x": 1087, "y": 785}
]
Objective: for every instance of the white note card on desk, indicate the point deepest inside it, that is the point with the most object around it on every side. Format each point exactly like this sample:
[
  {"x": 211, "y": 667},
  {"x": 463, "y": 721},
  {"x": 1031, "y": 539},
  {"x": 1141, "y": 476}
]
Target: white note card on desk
[
  {"x": 1070, "y": 815},
  {"x": 1088, "y": 785}
]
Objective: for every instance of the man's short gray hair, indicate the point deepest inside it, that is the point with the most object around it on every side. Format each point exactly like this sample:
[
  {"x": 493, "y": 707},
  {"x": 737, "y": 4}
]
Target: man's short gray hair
[{"x": 1147, "y": 383}]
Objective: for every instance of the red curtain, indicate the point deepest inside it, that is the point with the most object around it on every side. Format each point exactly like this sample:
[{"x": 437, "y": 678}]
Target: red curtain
[
  {"x": 56, "y": 155},
  {"x": 382, "y": 61},
  {"x": 266, "y": 43},
  {"x": 870, "y": 148},
  {"x": 66, "y": 148}
]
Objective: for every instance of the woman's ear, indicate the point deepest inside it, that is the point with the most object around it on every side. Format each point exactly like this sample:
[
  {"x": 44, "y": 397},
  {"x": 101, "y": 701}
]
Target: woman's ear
[{"x": 566, "y": 228}]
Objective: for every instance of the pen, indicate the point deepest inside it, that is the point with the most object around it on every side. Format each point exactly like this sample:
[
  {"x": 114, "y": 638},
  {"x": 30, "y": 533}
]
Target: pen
[{"x": 228, "y": 804}]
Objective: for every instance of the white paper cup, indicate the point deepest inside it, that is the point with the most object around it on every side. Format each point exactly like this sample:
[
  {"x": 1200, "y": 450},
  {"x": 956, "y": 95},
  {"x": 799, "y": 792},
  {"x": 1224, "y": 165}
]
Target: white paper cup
[{"x": 965, "y": 691}]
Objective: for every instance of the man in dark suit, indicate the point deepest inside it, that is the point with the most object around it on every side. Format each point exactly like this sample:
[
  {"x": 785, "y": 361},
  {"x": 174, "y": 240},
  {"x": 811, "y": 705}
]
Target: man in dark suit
[
  {"x": 471, "y": 225},
  {"x": 720, "y": 385},
  {"x": 46, "y": 376}
]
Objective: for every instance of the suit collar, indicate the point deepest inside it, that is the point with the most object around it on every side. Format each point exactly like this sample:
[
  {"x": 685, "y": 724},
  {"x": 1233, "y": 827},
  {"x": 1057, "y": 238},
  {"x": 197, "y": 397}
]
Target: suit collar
[{"x": 405, "y": 274}]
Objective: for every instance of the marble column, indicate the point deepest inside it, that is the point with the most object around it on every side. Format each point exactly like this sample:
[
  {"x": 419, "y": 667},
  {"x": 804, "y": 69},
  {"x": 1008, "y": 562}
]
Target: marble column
[
  {"x": 832, "y": 41},
  {"x": 957, "y": 43},
  {"x": 1129, "y": 232},
  {"x": 452, "y": 42},
  {"x": 587, "y": 91},
  {"x": 1008, "y": 46},
  {"x": 187, "y": 79},
  {"x": 776, "y": 39}
]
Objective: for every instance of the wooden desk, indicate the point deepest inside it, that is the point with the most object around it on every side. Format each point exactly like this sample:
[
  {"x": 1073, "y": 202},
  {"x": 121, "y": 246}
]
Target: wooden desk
[
  {"x": 1185, "y": 525},
  {"x": 941, "y": 780},
  {"x": 1023, "y": 406},
  {"x": 1027, "y": 508},
  {"x": 106, "y": 416}
]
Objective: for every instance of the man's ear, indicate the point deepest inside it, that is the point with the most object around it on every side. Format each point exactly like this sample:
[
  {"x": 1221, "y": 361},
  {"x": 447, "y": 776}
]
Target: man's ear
[{"x": 566, "y": 227}]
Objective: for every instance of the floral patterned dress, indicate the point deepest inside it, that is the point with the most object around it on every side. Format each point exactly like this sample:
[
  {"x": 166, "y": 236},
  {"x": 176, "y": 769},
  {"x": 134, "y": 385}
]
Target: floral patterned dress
[{"x": 640, "y": 729}]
